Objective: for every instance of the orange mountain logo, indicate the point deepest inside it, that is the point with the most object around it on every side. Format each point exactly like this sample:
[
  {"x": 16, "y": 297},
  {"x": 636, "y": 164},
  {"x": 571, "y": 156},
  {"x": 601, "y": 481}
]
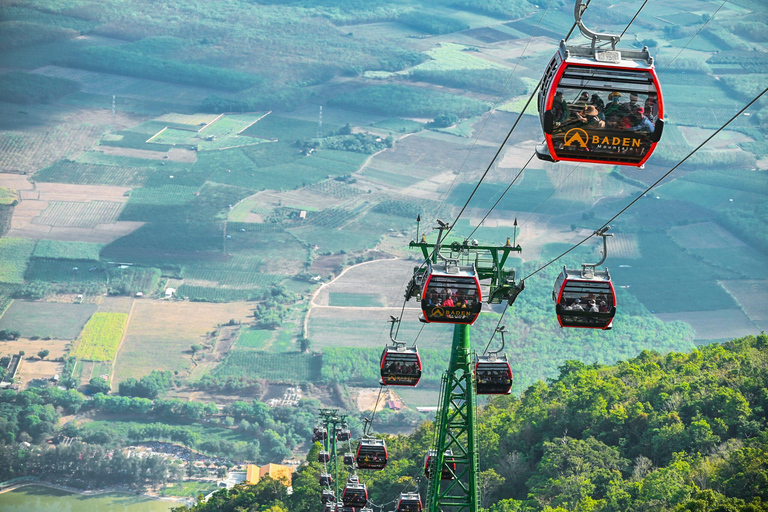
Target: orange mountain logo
[{"x": 578, "y": 135}]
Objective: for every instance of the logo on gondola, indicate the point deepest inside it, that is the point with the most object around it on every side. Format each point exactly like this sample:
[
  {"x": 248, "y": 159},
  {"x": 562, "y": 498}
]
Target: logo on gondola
[
  {"x": 578, "y": 135},
  {"x": 437, "y": 312}
]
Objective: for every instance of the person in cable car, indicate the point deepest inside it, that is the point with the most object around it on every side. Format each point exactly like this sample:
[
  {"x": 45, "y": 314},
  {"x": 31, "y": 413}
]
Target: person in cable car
[
  {"x": 640, "y": 122},
  {"x": 590, "y": 117}
]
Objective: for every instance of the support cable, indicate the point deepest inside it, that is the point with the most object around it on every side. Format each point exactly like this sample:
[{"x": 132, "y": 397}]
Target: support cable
[
  {"x": 502, "y": 197},
  {"x": 737, "y": 114},
  {"x": 633, "y": 19},
  {"x": 498, "y": 100},
  {"x": 694, "y": 36}
]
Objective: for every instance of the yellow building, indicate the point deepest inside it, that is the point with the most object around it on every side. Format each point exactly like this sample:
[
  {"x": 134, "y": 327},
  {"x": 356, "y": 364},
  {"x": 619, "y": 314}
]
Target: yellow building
[{"x": 278, "y": 472}]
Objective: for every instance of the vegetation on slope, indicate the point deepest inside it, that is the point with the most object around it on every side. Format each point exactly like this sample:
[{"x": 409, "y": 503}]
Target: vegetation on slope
[{"x": 657, "y": 432}]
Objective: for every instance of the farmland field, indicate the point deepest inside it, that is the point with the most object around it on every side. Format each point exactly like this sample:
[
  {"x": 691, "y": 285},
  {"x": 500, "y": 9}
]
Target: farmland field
[
  {"x": 14, "y": 255},
  {"x": 364, "y": 300},
  {"x": 47, "y": 319},
  {"x": 291, "y": 367},
  {"x": 27, "y": 152},
  {"x": 160, "y": 333},
  {"x": 100, "y": 337},
  {"x": 254, "y": 339},
  {"x": 750, "y": 295},
  {"x": 58, "y": 250},
  {"x": 79, "y": 215},
  {"x": 65, "y": 271},
  {"x": 649, "y": 278},
  {"x": 455, "y": 56}
]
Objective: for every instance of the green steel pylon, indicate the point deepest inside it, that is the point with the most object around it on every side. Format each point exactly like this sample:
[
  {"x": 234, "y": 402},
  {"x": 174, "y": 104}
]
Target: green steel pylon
[
  {"x": 331, "y": 419},
  {"x": 455, "y": 431}
]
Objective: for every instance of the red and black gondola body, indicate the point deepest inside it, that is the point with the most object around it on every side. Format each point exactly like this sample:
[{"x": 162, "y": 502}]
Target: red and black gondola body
[
  {"x": 371, "y": 453},
  {"x": 323, "y": 457},
  {"x": 355, "y": 495},
  {"x": 603, "y": 107},
  {"x": 451, "y": 294},
  {"x": 449, "y": 466},
  {"x": 325, "y": 479},
  {"x": 409, "y": 502},
  {"x": 585, "y": 299},
  {"x": 493, "y": 375},
  {"x": 400, "y": 366}
]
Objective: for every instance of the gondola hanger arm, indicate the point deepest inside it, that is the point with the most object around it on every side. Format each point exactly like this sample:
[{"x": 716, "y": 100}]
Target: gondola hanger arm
[{"x": 578, "y": 12}]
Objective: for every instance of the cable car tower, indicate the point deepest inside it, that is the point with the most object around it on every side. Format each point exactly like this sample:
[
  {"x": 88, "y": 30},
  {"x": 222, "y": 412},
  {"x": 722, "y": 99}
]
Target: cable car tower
[
  {"x": 450, "y": 270},
  {"x": 331, "y": 419}
]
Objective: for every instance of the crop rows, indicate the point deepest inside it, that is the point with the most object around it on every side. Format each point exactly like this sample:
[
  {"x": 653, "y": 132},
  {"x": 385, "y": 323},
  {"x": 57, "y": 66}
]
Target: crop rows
[
  {"x": 455, "y": 56},
  {"x": 193, "y": 121},
  {"x": 234, "y": 279},
  {"x": 163, "y": 195},
  {"x": 79, "y": 215},
  {"x": 101, "y": 337},
  {"x": 68, "y": 171},
  {"x": 29, "y": 151},
  {"x": 330, "y": 217},
  {"x": 6, "y": 297},
  {"x": 333, "y": 188},
  {"x": 285, "y": 367},
  {"x": 208, "y": 294}
]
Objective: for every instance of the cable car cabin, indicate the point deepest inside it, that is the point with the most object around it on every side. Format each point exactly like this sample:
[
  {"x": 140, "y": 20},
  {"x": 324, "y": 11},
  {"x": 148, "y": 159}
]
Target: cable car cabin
[
  {"x": 400, "y": 366},
  {"x": 585, "y": 298},
  {"x": 355, "y": 495},
  {"x": 325, "y": 479},
  {"x": 343, "y": 434},
  {"x": 327, "y": 496},
  {"x": 493, "y": 375},
  {"x": 599, "y": 106},
  {"x": 346, "y": 508},
  {"x": 366, "y": 509},
  {"x": 349, "y": 459},
  {"x": 319, "y": 434},
  {"x": 451, "y": 294},
  {"x": 329, "y": 507},
  {"x": 409, "y": 502},
  {"x": 371, "y": 454},
  {"x": 323, "y": 457},
  {"x": 449, "y": 467}
]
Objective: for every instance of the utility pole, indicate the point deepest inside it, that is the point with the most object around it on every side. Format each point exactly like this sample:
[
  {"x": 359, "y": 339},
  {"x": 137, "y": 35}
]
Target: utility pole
[
  {"x": 331, "y": 419},
  {"x": 320, "y": 124}
]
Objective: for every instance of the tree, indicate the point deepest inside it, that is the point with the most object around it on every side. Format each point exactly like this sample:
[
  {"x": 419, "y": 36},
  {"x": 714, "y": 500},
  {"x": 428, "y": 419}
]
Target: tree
[
  {"x": 98, "y": 385},
  {"x": 43, "y": 353}
]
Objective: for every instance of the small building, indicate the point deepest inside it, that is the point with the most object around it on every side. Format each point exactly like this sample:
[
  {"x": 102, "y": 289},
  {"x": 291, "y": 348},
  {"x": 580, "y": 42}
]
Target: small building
[
  {"x": 139, "y": 295},
  {"x": 277, "y": 472},
  {"x": 170, "y": 292},
  {"x": 303, "y": 214}
]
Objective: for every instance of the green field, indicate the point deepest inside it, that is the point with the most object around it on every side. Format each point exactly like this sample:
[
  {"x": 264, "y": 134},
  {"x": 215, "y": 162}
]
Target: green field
[
  {"x": 65, "y": 271},
  {"x": 283, "y": 367},
  {"x": 189, "y": 489},
  {"x": 47, "y": 319},
  {"x": 60, "y": 250},
  {"x": 668, "y": 280},
  {"x": 14, "y": 255},
  {"x": 253, "y": 339},
  {"x": 101, "y": 337}
]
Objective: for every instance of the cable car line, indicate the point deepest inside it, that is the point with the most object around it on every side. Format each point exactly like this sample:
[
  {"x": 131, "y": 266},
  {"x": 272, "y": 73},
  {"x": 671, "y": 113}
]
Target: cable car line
[
  {"x": 694, "y": 36},
  {"x": 501, "y": 197},
  {"x": 633, "y": 19},
  {"x": 736, "y": 115},
  {"x": 498, "y": 99}
]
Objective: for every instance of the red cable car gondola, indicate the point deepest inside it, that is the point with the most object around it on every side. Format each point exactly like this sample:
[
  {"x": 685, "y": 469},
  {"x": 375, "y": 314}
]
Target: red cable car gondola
[
  {"x": 319, "y": 434},
  {"x": 451, "y": 294},
  {"x": 325, "y": 479},
  {"x": 493, "y": 375},
  {"x": 400, "y": 366},
  {"x": 585, "y": 298},
  {"x": 355, "y": 494},
  {"x": 323, "y": 457},
  {"x": 327, "y": 496},
  {"x": 371, "y": 453},
  {"x": 330, "y": 507},
  {"x": 349, "y": 459},
  {"x": 600, "y": 105},
  {"x": 340, "y": 507},
  {"x": 449, "y": 467},
  {"x": 343, "y": 433},
  {"x": 409, "y": 502}
]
